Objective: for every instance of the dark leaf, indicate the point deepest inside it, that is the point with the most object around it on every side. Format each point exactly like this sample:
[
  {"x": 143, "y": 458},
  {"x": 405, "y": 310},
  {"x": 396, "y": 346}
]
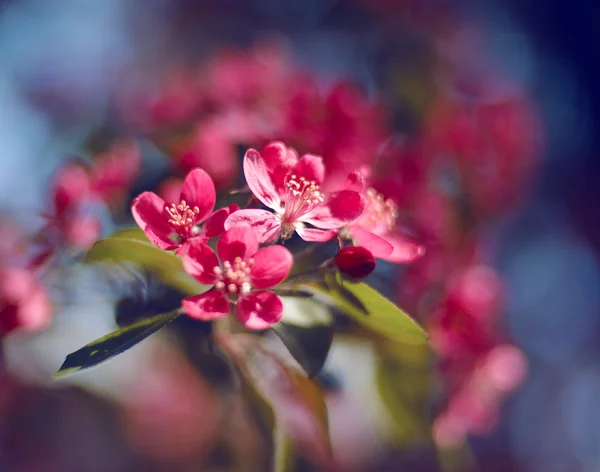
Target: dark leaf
[
  {"x": 113, "y": 344},
  {"x": 308, "y": 345},
  {"x": 284, "y": 292}
]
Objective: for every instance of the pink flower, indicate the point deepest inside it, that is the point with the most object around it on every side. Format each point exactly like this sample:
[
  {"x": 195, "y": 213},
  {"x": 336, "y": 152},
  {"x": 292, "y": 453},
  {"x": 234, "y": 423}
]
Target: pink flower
[
  {"x": 23, "y": 301},
  {"x": 242, "y": 269},
  {"x": 115, "y": 170},
  {"x": 70, "y": 222},
  {"x": 169, "y": 226},
  {"x": 375, "y": 227},
  {"x": 291, "y": 187},
  {"x": 211, "y": 148}
]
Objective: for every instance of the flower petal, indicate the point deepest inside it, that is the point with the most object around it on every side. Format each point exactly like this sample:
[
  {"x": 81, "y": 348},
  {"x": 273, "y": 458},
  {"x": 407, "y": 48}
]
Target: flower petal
[
  {"x": 321, "y": 218},
  {"x": 199, "y": 261},
  {"x": 259, "y": 181},
  {"x": 266, "y": 226},
  {"x": 206, "y": 307},
  {"x": 240, "y": 241},
  {"x": 313, "y": 234},
  {"x": 259, "y": 310},
  {"x": 148, "y": 211},
  {"x": 404, "y": 250},
  {"x": 272, "y": 264},
  {"x": 199, "y": 191},
  {"x": 310, "y": 167},
  {"x": 346, "y": 205},
  {"x": 277, "y": 154},
  {"x": 355, "y": 181},
  {"x": 378, "y": 246},
  {"x": 215, "y": 223}
]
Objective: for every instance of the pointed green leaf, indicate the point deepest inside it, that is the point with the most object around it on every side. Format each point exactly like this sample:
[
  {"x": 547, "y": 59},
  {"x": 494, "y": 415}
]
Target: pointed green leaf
[
  {"x": 113, "y": 343},
  {"x": 371, "y": 310},
  {"x": 308, "y": 345},
  {"x": 166, "y": 265}
]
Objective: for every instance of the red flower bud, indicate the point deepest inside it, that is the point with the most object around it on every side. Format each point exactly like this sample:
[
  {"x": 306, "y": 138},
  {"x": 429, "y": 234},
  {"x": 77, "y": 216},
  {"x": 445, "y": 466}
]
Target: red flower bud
[{"x": 355, "y": 261}]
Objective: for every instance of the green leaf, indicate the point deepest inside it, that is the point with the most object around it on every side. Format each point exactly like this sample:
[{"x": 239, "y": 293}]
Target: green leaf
[
  {"x": 114, "y": 343},
  {"x": 309, "y": 345},
  {"x": 134, "y": 232},
  {"x": 166, "y": 265},
  {"x": 371, "y": 310}
]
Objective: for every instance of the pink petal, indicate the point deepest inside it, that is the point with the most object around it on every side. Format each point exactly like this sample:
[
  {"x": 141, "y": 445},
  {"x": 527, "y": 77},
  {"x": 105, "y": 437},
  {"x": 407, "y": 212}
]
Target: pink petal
[
  {"x": 355, "y": 181},
  {"x": 321, "y": 218},
  {"x": 346, "y": 205},
  {"x": 259, "y": 310},
  {"x": 200, "y": 261},
  {"x": 265, "y": 225},
  {"x": 272, "y": 265},
  {"x": 36, "y": 311},
  {"x": 240, "y": 241},
  {"x": 315, "y": 235},
  {"x": 148, "y": 211},
  {"x": 310, "y": 167},
  {"x": 259, "y": 181},
  {"x": 183, "y": 249},
  {"x": 378, "y": 246},
  {"x": 215, "y": 223},
  {"x": 206, "y": 307},
  {"x": 404, "y": 250},
  {"x": 274, "y": 155},
  {"x": 199, "y": 191}
]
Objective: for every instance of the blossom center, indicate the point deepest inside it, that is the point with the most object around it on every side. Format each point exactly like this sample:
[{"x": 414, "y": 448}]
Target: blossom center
[
  {"x": 302, "y": 196},
  {"x": 234, "y": 278},
  {"x": 182, "y": 217},
  {"x": 380, "y": 214}
]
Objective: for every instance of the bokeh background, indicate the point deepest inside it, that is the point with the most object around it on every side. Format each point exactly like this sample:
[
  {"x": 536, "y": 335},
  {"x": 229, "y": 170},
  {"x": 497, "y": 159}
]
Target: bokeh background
[{"x": 64, "y": 66}]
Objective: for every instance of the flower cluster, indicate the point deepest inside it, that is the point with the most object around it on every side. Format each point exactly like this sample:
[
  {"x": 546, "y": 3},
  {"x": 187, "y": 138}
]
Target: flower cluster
[{"x": 240, "y": 272}]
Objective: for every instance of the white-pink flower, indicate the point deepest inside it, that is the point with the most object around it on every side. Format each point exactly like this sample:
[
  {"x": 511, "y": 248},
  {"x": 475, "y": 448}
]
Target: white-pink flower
[{"x": 291, "y": 188}]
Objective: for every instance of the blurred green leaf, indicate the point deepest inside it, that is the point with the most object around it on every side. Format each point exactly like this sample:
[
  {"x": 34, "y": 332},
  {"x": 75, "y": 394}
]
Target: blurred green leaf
[
  {"x": 166, "y": 265},
  {"x": 370, "y": 309},
  {"x": 114, "y": 343},
  {"x": 285, "y": 457},
  {"x": 296, "y": 411},
  {"x": 404, "y": 381}
]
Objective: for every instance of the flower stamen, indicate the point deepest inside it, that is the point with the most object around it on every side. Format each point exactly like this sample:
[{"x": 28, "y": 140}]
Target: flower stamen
[
  {"x": 379, "y": 214},
  {"x": 182, "y": 217},
  {"x": 302, "y": 196},
  {"x": 233, "y": 278}
]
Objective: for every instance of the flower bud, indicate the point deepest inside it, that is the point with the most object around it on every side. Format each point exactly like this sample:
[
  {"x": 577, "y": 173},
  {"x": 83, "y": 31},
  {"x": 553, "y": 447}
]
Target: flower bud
[{"x": 355, "y": 261}]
